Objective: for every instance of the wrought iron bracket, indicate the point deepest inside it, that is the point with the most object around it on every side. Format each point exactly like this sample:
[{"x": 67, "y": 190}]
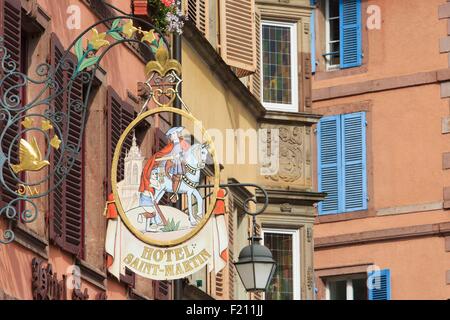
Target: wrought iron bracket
[
  {"x": 254, "y": 237},
  {"x": 15, "y": 112}
]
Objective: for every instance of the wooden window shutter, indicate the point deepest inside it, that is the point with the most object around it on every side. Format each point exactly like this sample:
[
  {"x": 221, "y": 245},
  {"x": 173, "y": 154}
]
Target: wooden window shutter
[
  {"x": 255, "y": 79},
  {"x": 66, "y": 201},
  {"x": 354, "y": 184},
  {"x": 350, "y": 33},
  {"x": 237, "y": 35},
  {"x": 10, "y": 30},
  {"x": 198, "y": 12},
  {"x": 329, "y": 162},
  {"x": 380, "y": 286},
  {"x": 57, "y": 197},
  {"x": 163, "y": 290},
  {"x": 128, "y": 278},
  {"x": 74, "y": 185},
  {"x": 342, "y": 163},
  {"x": 120, "y": 114}
]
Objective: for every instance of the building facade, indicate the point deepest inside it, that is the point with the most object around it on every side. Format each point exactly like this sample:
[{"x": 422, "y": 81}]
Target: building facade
[
  {"x": 381, "y": 149},
  {"x": 246, "y": 66}
]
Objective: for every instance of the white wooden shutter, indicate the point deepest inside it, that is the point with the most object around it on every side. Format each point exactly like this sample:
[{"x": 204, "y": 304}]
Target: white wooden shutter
[
  {"x": 198, "y": 12},
  {"x": 237, "y": 35}
]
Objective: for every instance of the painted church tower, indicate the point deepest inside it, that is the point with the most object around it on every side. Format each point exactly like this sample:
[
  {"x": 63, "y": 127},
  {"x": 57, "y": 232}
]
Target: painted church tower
[{"x": 129, "y": 187}]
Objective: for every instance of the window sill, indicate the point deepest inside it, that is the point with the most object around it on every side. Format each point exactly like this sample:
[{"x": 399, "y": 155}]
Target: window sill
[
  {"x": 332, "y": 74},
  {"x": 280, "y": 108},
  {"x": 338, "y": 217}
]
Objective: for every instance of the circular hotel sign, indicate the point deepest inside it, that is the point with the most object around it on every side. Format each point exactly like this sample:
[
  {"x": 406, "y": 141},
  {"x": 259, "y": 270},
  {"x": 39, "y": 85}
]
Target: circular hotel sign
[{"x": 152, "y": 170}]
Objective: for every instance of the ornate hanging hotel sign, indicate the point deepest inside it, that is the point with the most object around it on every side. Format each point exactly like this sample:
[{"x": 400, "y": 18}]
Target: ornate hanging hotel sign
[{"x": 147, "y": 233}]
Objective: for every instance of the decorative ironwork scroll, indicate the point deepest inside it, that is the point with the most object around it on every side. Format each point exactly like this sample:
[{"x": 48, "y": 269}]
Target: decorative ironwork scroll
[{"x": 28, "y": 179}]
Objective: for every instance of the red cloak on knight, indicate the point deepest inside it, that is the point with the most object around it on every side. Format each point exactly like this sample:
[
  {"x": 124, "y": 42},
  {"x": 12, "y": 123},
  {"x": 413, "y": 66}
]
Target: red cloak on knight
[{"x": 152, "y": 164}]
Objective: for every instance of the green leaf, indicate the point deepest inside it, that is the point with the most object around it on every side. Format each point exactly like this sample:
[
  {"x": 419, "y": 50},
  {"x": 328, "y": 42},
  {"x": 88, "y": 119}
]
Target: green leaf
[
  {"x": 79, "y": 49},
  {"x": 161, "y": 42},
  {"x": 115, "y": 23},
  {"x": 154, "y": 49},
  {"x": 116, "y": 35},
  {"x": 87, "y": 63}
]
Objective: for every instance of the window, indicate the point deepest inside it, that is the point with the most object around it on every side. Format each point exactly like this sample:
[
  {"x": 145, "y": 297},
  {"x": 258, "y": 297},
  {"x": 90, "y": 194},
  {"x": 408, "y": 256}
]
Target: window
[
  {"x": 375, "y": 285},
  {"x": 341, "y": 142},
  {"x": 343, "y": 33},
  {"x": 284, "y": 245},
  {"x": 347, "y": 288},
  {"x": 332, "y": 56},
  {"x": 279, "y": 72}
]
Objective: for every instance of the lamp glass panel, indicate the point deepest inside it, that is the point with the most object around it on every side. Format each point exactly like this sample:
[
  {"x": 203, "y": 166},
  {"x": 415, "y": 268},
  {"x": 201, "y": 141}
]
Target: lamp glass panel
[
  {"x": 247, "y": 275},
  {"x": 263, "y": 272}
]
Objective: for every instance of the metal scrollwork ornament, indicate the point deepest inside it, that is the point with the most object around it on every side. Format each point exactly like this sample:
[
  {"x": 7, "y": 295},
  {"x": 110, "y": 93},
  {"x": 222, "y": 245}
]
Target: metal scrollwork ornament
[{"x": 35, "y": 153}]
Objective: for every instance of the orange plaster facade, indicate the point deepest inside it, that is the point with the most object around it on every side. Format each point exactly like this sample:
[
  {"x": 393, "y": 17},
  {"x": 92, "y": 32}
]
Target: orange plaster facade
[{"x": 401, "y": 86}]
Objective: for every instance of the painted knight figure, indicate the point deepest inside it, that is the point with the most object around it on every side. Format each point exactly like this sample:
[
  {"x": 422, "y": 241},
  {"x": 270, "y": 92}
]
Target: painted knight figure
[{"x": 175, "y": 169}]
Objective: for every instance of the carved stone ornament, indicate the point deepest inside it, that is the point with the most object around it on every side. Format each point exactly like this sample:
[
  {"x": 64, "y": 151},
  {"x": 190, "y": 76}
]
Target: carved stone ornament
[
  {"x": 309, "y": 234},
  {"x": 309, "y": 278},
  {"x": 294, "y": 155},
  {"x": 286, "y": 207}
]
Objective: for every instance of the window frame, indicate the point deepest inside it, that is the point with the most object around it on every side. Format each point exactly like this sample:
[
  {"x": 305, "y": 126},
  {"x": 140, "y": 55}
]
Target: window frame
[
  {"x": 295, "y": 95},
  {"x": 349, "y": 285},
  {"x": 296, "y": 263},
  {"x": 327, "y": 56}
]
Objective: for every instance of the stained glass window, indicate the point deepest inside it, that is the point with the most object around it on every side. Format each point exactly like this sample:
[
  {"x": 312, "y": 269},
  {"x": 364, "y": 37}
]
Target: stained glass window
[
  {"x": 278, "y": 64},
  {"x": 282, "y": 285}
]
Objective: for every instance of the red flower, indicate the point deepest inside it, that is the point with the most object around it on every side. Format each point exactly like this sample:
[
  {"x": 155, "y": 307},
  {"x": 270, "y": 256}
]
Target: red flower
[{"x": 168, "y": 3}]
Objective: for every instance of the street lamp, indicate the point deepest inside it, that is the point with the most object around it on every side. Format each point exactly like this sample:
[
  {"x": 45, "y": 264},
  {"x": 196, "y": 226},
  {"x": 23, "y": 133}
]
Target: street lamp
[{"x": 255, "y": 266}]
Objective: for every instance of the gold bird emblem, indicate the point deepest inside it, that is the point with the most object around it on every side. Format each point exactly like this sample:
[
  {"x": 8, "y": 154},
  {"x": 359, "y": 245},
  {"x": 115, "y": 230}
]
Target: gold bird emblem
[
  {"x": 98, "y": 40},
  {"x": 30, "y": 157}
]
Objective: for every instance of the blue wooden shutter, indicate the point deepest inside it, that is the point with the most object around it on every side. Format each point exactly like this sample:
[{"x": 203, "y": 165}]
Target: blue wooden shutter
[
  {"x": 350, "y": 33},
  {"x": 329, "y": 163},
  {"x": 380, "y": 286},
  {"x": 354, "y": 184},
  {"x": 313, "y": 37}
]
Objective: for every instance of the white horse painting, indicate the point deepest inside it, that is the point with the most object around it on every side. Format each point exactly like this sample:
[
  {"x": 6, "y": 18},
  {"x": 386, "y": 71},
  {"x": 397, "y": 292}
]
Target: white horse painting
[{"x": 195, "y": 160}]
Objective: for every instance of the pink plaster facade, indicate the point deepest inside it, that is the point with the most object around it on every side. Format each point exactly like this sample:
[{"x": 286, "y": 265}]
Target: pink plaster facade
[
  {"x": 123, "y": 69},
  {"x": 401, "y": 87}
]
